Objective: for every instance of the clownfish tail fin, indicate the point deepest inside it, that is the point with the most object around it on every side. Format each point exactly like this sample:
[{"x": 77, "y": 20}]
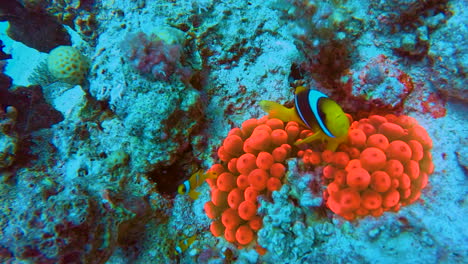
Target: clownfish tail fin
[{"x": 276, "y": 110}]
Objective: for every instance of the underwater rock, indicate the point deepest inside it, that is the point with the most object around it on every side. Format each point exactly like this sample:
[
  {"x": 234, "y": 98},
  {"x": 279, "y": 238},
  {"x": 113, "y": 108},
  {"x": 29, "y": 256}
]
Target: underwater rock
[
  {"x": 374, "y": 232},
  {"x": 407, "y": 25},
  {"x": 3, "y": 55},
  {"x": 156, "y": 118},
  {"x": 165, "y": 131},
  {"x": 324, "y": 229},
  {"x": 397, "y": 5},
  {"x": 408, "y": 43},
  {"x": 34, "y": 28},
  {"x": 8, "y": 115},
  {"x": 8, "y": 137},
  {"x": 158, "y": 55},
  {"x": 381, "y": 83},
  {"x": 22, "y": 111},
  {"x": 116, "y": 159},
  {"x": 5, "y": 81},
  {"x": 69, "y": 226},
  {"x": 462, "y": 155},
  {"x": 34, "y": 112},
  {"x": 449, "y": 54},
  {"x": 408, "y": 11},
  {"x": 305, "y": 187},
  {"x": 80, "y": 15},
  {"x": 280, "y": 218}
]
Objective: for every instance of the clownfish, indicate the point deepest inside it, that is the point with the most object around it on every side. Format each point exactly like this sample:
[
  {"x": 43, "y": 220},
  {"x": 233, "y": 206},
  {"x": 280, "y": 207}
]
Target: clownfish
[
  {"x": 188, "y": 186},
  {"x": 315, "y": 111},
  {"x": 184, "y": 244}
]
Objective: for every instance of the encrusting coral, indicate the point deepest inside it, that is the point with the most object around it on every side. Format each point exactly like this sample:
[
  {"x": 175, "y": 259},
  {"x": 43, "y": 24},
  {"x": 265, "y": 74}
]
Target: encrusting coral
[{"x": 158, "y": 55}]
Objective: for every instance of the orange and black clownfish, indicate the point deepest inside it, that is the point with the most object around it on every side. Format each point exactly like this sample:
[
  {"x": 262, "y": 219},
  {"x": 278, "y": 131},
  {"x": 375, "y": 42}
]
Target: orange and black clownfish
[
  {"x": 188, "y": 187},
  {"x": 315, "y": 111},
  {"x": 184, "y": 244}
]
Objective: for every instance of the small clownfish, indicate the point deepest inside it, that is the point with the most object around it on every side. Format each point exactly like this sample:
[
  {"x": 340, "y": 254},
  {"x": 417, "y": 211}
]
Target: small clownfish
[
  {"x": 184, "y": 244},
  {"x": 188, "y": 186},
  {"x": 316, "y": 111}
]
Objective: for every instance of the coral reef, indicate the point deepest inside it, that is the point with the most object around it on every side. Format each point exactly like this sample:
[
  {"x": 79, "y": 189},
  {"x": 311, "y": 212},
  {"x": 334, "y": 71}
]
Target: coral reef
[
  {"x": 68, "y": 65},
  {"x": 34, "y": 112},
  {"x": 448, "y": 53},
  {"x": 412, "y": 22},
  {"x": 78, "y": 15},
  {"x": 69, "y": 226},
  {"x": 68, "y": 233},
  {"x": 22, "y": 111},
  {"x": 41, "y": 75},
  {"x": 34, "y": 28},
  {"x": 8, "y": 136},
  {"x": 156, "y": 56},
  {"x": 329, "y": 28},
  {"x": 284, "y": 229},
  {"x": 381, "y": 83},
  {"x": 169, "y": 89}
]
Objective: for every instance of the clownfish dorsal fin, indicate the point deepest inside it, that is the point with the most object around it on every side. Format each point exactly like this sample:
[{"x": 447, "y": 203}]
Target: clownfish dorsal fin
[{"x": 300, "y": 89}]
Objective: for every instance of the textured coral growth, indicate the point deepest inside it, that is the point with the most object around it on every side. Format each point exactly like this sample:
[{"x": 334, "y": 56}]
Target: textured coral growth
[
  {"x": 435, "y": 105},
  {"x": 252, "y": 164},
  {"x": 381, "y": 84},
  {"x": 384, "y": 165},
  {"x": 67, "y": 64},
  {"x": 154, "y": 57}
]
